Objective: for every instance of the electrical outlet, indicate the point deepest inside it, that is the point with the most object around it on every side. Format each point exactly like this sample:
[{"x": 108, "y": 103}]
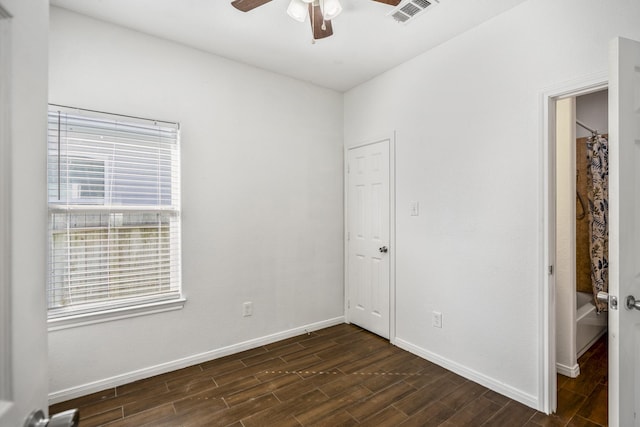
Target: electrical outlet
[
  {"x": 437, "y": 319},
  {"x": 247, "y": 309}
]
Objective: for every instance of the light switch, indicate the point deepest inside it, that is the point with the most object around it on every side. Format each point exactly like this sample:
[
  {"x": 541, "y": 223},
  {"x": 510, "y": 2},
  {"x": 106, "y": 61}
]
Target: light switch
[{"x": 414, "y": 208}]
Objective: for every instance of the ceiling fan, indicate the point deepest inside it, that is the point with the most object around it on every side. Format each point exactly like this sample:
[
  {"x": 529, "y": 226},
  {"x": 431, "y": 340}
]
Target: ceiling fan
[{"x": 320, "y": 12}]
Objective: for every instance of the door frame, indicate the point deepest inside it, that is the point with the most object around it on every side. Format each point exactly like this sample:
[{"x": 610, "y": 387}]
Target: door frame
[
  {"x": 5, "y": 211},
  {"x": 547, "y": 391},
  {"x": 391, "y": 137}
]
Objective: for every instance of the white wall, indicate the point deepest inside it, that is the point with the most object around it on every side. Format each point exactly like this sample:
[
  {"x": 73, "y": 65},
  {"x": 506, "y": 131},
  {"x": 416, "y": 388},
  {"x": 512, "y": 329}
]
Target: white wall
[
  {"x": 468, "y": 148},
  {"x": 261, "y": 198},
  {"x": 592, "y": 110},
  {"x": 27, "y": 109},
  {"x": 565, "y": 265}
]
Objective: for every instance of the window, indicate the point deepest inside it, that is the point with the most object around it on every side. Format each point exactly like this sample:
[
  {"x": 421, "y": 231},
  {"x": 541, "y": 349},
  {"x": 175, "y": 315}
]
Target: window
[{"x": 114, "y": 213}]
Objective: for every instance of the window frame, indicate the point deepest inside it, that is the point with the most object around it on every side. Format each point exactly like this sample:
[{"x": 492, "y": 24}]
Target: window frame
[{"x": 120, "y": 308}]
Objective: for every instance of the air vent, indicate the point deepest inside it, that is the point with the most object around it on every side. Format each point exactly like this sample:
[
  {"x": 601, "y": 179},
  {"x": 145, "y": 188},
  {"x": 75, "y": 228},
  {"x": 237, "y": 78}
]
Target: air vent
[
  {"x": 409, "y": 9},
  {"x": 400, "y": 17},
  {"x": 422, "y": 3}
]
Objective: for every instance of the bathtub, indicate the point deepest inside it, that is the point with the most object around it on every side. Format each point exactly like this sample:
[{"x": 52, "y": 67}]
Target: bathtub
[{"x": 589, "y": 325}]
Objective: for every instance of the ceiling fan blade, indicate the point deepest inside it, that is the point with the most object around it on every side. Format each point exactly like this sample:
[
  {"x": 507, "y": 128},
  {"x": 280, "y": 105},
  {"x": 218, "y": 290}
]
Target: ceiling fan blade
[
  {"x": 247, "y": 5},
  {"x": 389, "y": 2},
  {"x": 316, "y": 23}
]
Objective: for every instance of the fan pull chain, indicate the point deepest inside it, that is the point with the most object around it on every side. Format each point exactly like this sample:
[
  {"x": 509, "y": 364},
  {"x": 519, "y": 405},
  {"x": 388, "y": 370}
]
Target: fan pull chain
[
  {"x": 324, "y": 25},
  {"x": 313, "y": 24}
]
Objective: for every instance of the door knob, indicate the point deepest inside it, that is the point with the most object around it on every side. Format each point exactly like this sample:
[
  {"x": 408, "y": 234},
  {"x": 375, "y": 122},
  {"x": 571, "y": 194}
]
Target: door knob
[
  {"x": 383, "y": 249},
  {"x": 632, "y": 302},
  {"x": 605, "y": 298},
  {"x": 68, "y": 418}
]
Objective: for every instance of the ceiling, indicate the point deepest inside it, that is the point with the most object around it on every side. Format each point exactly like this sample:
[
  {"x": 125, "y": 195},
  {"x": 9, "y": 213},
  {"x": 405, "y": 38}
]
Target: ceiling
[{"x": 366, "y": 41}]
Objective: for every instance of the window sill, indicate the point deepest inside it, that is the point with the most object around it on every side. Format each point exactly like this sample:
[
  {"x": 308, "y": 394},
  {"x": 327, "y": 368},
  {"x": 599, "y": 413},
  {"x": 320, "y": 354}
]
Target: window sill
[{"x": 85, "y": 319}]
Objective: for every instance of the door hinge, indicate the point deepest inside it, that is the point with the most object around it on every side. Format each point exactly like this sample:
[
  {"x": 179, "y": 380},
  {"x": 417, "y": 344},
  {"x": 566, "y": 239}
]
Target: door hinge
[
  {"x": 348, "y": 235},
  {"x": 348, "y": 168},
  {"x": 348, "y": 303},
  {"x": 550, "y": 270}
]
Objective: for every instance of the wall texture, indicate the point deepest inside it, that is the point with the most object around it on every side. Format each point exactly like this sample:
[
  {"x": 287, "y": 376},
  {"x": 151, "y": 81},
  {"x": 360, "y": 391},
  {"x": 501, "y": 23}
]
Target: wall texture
[
  {"x": 583, "y": 259},
  {"x": 261, "y": 198},
  {"x": 468, "y": 148}
]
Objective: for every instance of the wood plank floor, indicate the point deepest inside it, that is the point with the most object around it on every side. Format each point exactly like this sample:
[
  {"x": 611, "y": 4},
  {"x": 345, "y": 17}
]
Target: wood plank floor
[
  {"x": 582, "y": 401},
  {"x": 339, "y": 376}
]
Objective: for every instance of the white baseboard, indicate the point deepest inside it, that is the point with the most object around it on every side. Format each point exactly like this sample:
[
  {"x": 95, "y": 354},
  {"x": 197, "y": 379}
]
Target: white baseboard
[
  {"x": 96, "y": 386},
  {"x": 470, "y": 374},
  {"x": 568, "y": 371}
]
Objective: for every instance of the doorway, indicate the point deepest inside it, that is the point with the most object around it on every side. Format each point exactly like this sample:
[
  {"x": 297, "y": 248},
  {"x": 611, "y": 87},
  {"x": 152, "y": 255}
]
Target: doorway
[
  {"x": 369, "y": 243},
  {"x": 548, "y": 334},
  {"x": 623, "y": 84},
  {"x": 581, "y": 254}
]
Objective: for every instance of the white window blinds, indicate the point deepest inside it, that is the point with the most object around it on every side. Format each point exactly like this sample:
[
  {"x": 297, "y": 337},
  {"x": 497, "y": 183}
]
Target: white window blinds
[{"x": 114, "y": 211}]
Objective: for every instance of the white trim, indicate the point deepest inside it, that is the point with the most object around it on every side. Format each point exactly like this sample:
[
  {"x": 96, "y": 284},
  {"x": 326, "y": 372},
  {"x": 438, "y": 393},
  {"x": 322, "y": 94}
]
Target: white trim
[
  {"x": 345, "y": 233},
  {"x": 491, "y": 383},
  {"x": 392, "y": 228},
  {"x": 90, "y": 318},
  {"x": 547, "y": 388},
  {"x": 95, "y": 386},
  {"x": 568, "y": 371},
  {"x": 5, "y": 211},
  {"x": 392, "y": 238}
]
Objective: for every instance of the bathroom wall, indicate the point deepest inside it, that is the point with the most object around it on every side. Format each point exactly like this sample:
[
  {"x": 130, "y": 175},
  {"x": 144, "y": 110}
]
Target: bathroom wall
[
  {"x": 592, "y": 110},
  {"x": 566, "y": 360},
  {"x": 582, "y": 260}
]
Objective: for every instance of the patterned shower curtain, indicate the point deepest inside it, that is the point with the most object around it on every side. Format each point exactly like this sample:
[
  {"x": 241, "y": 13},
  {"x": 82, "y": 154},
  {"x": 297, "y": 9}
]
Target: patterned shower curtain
[{"x": 598, "y": 180}]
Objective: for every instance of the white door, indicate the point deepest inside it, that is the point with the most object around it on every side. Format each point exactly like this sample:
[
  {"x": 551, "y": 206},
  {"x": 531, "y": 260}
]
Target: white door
[
  {"x": 23, "y": 339},
  {"x": 624, "y": 208},
  {"x": 368, "y": 237}
]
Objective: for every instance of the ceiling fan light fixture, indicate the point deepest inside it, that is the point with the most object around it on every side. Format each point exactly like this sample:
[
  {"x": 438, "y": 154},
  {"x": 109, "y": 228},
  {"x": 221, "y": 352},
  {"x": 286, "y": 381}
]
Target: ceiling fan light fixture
[
  {"x": 331, "y": 9},
  {"x": 297, "y": 10}
]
